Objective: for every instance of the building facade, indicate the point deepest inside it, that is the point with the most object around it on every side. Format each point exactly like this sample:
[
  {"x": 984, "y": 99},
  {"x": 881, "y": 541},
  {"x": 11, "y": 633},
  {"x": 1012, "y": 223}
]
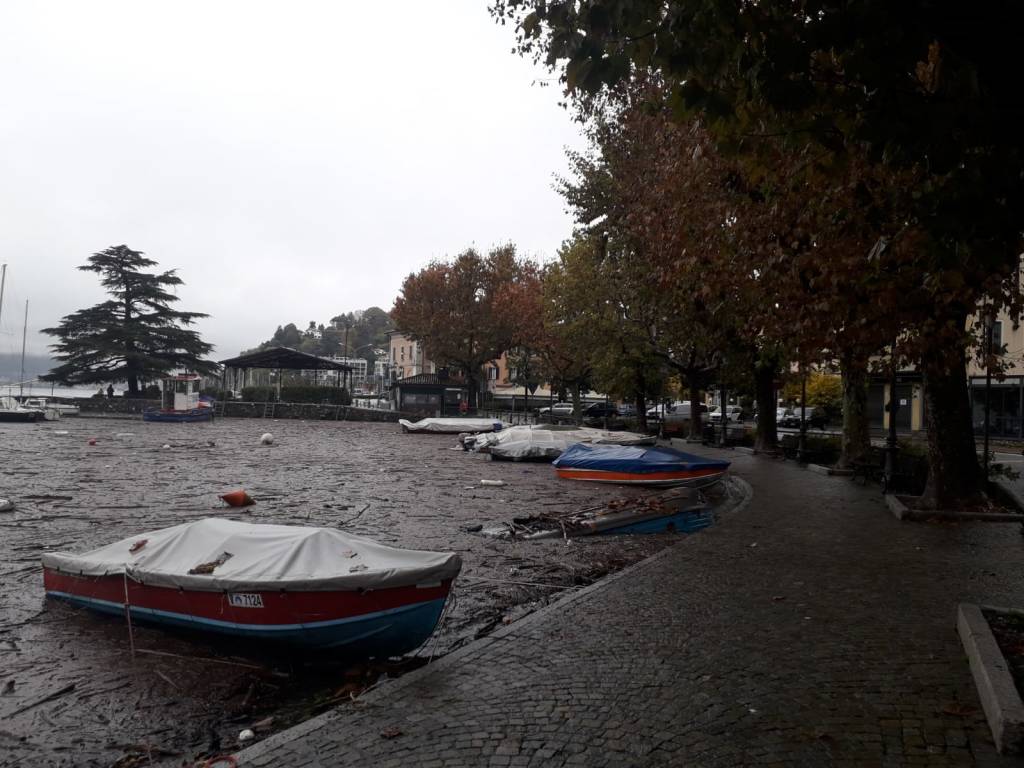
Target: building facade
[{"x": 406, "y": 357}]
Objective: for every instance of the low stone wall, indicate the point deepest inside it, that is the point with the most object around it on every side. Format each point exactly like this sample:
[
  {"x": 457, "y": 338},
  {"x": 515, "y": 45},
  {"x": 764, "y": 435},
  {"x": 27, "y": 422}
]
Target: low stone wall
[
  {"x": 119, "y": 406},
  {"x": 309, "y": 411},
  {"x": 123, "y": 406}
]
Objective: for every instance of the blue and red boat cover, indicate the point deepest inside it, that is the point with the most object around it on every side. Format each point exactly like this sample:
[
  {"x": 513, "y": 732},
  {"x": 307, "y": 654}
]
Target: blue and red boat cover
[{"x": 633, "y": 459}]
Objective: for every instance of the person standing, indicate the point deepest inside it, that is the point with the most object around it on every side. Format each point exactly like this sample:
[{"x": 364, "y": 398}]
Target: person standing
[{"x": 110, "y": 391}]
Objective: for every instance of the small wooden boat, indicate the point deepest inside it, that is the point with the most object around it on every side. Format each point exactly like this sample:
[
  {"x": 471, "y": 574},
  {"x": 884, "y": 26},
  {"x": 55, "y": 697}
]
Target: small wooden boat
[
  {"x": 682, "y": 510},
  {"x": 180, "y": 401},
  {"x": 312, "y": 587},
  {"x": 452, "y": 426},
  {"x": 638, "y": 465}
]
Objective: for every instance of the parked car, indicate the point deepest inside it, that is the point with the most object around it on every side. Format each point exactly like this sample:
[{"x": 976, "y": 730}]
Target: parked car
[
  {"x": 659, "y": 411},
  {"x": 785, "y": 417},
  {"x": 627, "y": 411},
  {"x": 817, "y": 418},
  {"x": 733, "y": 413},
  {"x": 600, "y": 410},
  {"x": 558, "y": 410},
  {"x": 678, "y": 418}
]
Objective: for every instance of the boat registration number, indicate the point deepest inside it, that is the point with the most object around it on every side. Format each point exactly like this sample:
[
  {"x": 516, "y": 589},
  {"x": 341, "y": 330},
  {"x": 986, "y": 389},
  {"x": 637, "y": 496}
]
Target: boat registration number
[{"x": 245, "y": 599}]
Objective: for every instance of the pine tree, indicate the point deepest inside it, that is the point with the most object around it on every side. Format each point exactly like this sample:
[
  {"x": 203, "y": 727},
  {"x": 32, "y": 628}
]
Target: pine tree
[{"x": 135, "y": 336}]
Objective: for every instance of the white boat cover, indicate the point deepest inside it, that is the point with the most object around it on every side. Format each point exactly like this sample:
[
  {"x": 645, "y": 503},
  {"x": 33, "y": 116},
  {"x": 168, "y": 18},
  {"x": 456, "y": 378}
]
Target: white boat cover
[
  {"x": 545, "y": 441},
  {"x": 260, "y": 557},
  {"x": 452, "y": 425}
]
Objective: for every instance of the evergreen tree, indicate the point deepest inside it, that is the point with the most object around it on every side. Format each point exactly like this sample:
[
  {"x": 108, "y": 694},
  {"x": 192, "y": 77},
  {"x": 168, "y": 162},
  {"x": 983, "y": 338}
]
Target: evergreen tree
[{"x": 135, "y": 336}]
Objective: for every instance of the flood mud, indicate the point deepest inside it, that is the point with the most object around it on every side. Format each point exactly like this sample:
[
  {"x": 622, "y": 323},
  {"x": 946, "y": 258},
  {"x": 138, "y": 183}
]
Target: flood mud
[{"x": 71, "y": 693}]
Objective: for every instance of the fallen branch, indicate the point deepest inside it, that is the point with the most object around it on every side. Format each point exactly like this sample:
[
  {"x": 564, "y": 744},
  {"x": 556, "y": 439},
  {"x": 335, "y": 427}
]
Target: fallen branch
[{"x": 50, "y": 697}]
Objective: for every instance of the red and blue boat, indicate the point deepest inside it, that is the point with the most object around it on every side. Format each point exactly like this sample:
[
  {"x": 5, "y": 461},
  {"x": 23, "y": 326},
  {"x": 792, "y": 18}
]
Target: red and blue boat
[
  {"x": 638, "y": 465},
  {"x": 180, "y": 401},
  {"x": 302, "y": 586}
]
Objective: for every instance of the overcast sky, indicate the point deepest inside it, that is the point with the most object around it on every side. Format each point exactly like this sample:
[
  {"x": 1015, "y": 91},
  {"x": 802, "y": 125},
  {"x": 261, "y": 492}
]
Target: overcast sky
[{"x": 290, "y": 160}]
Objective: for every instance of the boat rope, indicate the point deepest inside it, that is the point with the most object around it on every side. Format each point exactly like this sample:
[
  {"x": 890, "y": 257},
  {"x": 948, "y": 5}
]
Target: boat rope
[{"x": 128, "y": 615}]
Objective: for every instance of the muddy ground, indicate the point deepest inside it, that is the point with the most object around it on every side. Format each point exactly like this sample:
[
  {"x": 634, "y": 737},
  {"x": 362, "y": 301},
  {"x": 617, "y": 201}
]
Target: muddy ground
[{"x": 70, "y": 693}]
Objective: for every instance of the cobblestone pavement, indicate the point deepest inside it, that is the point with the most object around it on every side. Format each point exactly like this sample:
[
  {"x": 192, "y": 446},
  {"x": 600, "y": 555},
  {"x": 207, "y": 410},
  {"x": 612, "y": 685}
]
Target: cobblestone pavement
[{"x": 811, "y": 628}]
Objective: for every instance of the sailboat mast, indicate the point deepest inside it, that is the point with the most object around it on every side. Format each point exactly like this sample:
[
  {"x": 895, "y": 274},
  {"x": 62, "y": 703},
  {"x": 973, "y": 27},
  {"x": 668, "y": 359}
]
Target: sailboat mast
[
  {"x": 24, "y": 335},
  {"x": 3, "y": 279}
]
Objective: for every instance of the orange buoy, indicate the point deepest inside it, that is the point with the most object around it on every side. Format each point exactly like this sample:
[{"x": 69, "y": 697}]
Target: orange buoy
[{"x": 237, "y": 498}]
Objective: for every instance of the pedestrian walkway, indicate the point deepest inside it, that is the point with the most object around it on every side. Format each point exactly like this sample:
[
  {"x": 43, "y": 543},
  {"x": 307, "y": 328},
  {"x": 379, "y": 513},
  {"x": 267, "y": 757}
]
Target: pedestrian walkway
[{"x": 811, "y": 628}]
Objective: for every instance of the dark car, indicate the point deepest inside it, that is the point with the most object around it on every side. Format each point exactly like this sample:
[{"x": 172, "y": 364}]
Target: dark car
[
  {"x": 627, "y": 411},
  {"x": 600, "y": 411}
]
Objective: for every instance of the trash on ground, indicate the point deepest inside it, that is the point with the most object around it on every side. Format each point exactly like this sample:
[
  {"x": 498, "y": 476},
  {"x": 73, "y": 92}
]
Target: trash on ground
[
  {"x": 6, "y": 505},
  {"x": 246, "y": 735},
  {"x": 266, "y": 439},
  {"x": 494, "y": 483}
]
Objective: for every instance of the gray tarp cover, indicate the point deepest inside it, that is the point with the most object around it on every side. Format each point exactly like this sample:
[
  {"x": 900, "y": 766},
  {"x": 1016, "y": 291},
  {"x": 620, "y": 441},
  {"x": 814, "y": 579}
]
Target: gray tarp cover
[
  {"x": 263, "y": 557},
  {"x": 451, "y": 425},
  {"x": 544, "y": 442}
]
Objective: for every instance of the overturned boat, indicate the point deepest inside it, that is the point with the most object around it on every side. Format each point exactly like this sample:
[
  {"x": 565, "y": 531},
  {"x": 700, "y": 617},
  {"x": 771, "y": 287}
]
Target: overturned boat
[
  {"x": 682, "y": 510},
  {"x": 312, "y": 587},
  {"x": 545, "y": 442},
  {"x": 452, "y": 426},
  {"x": 638, "y": 465}
]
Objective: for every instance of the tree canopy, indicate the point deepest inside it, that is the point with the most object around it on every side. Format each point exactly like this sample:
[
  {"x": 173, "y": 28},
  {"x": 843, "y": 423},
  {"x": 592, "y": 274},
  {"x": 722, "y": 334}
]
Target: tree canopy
[
  {"x": 135, "y": 336},
  {"x": 874, "y": 143},
  {"x": 467, "y": 311}
]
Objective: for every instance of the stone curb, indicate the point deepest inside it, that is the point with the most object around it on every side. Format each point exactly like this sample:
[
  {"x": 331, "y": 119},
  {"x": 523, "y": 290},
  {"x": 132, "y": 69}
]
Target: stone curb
[
  {"x": 902, "y": 512},
  {"x": 474, "y": 648},
  {"x": 1000, "y": 699}
]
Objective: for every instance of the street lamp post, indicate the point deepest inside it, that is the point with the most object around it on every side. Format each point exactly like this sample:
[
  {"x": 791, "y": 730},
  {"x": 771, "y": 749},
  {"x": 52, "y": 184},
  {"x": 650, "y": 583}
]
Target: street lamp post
[
  {"x": 890, "y": 442},
  {"x": 989, "y": 326},
  {"x": 801, "y": 446}
]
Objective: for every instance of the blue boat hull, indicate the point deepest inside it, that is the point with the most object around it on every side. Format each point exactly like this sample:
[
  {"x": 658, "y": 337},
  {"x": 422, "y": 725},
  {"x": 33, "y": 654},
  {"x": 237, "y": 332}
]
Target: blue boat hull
[
  {"x": 386, "y": 633},
  {"x": 683, "y": 522},
  {"x": 196, "y": 414}
]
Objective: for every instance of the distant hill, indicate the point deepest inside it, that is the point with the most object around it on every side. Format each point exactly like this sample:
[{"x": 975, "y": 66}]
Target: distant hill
[{"x": 35, "y": 366}]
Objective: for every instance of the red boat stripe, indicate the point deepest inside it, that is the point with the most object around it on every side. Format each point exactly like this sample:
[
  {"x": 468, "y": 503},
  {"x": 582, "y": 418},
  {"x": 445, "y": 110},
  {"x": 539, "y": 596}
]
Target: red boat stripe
[
  {"x": 136, "y": 609},
  {"x": 278, "y": 607}
]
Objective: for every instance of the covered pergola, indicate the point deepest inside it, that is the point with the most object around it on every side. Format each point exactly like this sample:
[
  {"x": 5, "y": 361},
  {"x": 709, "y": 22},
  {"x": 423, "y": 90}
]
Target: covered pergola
[{"x": 285, "y": 359}]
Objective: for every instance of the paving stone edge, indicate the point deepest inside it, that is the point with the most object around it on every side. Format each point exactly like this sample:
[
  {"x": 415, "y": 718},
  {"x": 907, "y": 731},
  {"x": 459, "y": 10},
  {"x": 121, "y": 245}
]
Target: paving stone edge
[
  {"x": 1000, "y": 699},
  {"x": 390, "y": 687}
]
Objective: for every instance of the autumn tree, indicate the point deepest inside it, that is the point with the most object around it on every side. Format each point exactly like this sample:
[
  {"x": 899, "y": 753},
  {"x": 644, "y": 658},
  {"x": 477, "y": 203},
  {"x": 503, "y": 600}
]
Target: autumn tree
[
  {"x": 462, "y": 310},
  {"x": 592, "y": 337},
  {"x": 909, "y": 86},
  {"x": 136, "y": 335}
]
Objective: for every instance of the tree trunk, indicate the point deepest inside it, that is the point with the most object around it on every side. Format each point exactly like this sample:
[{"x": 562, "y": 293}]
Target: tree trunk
[
  {"x": 954, "y": 478},
  {"x": 640, "y": 397},
  {"x": 473, "y": 393},
  {"x": 696, "y": 421},
  {"x": 856, "y": 439},
  {"x": 766, "y": 435},
  {"x": 641, "y": 410}
]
